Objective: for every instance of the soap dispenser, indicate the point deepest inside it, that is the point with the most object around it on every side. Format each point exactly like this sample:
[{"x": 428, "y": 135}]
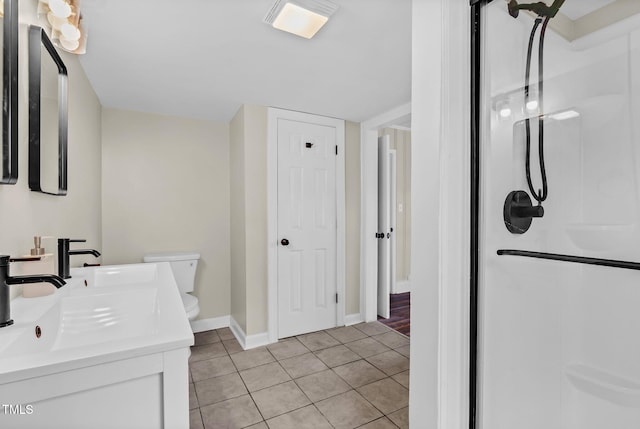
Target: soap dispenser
[
  {"x": 38, "y": 262},
  {"x": 37, "y": 250}
]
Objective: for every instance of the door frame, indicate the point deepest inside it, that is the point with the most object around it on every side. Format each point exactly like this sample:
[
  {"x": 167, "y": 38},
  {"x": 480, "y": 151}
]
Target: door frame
[
  {"x": 369, "y": 203},
  {"x": 393, "y": 220},
  {"x": 273, "y": 115}
]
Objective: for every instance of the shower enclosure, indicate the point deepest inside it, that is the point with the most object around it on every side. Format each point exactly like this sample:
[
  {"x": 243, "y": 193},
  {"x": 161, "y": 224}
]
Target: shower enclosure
[{"x": 556, "y": 307}]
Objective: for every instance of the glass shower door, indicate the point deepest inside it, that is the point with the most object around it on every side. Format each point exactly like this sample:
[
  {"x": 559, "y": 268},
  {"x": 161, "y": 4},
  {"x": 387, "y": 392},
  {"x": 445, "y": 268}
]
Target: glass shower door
[{"x": 559, "y": 294}]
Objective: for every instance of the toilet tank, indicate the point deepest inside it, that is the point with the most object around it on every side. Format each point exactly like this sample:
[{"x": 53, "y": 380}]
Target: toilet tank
[{"x": 183, "y": 265}]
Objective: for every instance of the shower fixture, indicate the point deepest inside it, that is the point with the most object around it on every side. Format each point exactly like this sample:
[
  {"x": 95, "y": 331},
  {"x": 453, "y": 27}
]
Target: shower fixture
[
  {"x": 519, "y": 211},
  {"x": 539, "y": 8}
]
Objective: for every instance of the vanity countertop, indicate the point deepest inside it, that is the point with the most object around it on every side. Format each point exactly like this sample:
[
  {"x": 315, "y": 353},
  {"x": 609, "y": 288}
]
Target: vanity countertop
[{"x": 102, "y": 314}]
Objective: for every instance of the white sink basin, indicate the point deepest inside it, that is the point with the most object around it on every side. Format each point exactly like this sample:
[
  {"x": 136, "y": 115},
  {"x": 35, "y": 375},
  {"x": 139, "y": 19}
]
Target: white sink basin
[
  {"x": 119, "y": 275},
  {"x": 107, "y": 317},
  {"x": 110, "y": 310}
]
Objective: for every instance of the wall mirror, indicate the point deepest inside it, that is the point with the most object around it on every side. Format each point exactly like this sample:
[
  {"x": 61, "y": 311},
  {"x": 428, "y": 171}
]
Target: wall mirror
[
  {"x": 9, "y": 64},
  {"x": 48, "y": 95}
]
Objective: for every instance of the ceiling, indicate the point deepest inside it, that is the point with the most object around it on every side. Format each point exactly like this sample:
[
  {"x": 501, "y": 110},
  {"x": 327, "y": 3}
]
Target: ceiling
[
  {"x": 576, "y": 9},
  {"x": 205, "y": 58}
]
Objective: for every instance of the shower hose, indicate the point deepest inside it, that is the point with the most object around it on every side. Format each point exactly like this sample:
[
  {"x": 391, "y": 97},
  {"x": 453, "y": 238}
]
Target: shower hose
[{"x": 541, "y": 195}]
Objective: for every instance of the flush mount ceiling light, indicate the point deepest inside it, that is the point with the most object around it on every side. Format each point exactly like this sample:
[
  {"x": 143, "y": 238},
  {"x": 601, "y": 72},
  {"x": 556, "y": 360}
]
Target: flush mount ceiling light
[
  {"x": 65, "y": 21},
  {"x": 300, "y": 17}
]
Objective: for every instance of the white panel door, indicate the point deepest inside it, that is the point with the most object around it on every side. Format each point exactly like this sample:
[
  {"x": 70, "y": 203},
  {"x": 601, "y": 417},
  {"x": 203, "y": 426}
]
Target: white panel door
[
  {"x": 384, "y": 197},
  {"x": 306, "y": 227}
]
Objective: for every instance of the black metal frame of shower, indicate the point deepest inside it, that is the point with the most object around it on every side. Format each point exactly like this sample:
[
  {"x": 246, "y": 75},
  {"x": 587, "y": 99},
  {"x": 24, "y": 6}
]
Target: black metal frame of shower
[{"x": 476, "y": 7}]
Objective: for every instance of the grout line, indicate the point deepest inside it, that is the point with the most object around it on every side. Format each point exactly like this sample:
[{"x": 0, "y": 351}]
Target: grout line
[
  {"x": 287, "y": 412},
  {"x": 277, "y": 384},
  {"x": 325, "y": 417},
  {"x": 313, "y": 353},
  {"x": 367, "y": 401},
  {"x": 328, "y": 397},
  {"x": 294, "y": 357},
  {"x": 246, "y": 387},
  {"x": 201, "y": 418},
  {"x": 303, "y": 392},
  {"x": 381, "y": 418},
  {"x": 258, "y": 408},
  {"x": 269, "y": 351},
  {"x": 195, "y": 392},
  {"x": 215, "y": 376}
]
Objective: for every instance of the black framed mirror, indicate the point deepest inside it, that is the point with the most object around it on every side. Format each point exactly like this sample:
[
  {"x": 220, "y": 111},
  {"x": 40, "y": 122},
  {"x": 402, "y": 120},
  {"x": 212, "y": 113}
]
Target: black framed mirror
[
  {"x": 48, "y": 116},
  {"x": 9, "y": 63}
]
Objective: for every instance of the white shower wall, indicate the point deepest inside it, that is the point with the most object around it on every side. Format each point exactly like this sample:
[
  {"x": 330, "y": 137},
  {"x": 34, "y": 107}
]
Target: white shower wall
[{"x": 559, "y": 341}]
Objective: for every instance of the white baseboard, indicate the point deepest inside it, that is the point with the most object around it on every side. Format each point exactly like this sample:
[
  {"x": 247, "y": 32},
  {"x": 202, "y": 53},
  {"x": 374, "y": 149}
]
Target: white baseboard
[
  {"x": 248, "y": 341},
  {"x": 202, "y": 325},
  {"x": 238, "y": 332},
  {"x": 403, "y": 286},
  {"x": 257, "y": 340},
  {"x": 353, "y": 319}
]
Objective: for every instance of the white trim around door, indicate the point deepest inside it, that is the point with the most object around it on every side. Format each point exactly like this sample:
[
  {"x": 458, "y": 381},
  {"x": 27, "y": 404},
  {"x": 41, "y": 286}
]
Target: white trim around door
[
  {"x": 369, "y": 203},
  {"x": 272, "y": 223}
]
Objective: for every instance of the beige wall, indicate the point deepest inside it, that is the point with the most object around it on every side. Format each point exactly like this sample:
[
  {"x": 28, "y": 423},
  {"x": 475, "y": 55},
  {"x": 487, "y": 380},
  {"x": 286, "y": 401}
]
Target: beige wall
[
  {"x": 400, "y": 140},
  {"x": 142, "y": 183},
  {"x": 256, "y": 217},
  {"x": 166, "y": 188},
  {"x": 249, "y": 219},
  {"x": 77, "y": 215},
  {"x": 238, "y": 293},
  {"x": 352, "y": 196}
]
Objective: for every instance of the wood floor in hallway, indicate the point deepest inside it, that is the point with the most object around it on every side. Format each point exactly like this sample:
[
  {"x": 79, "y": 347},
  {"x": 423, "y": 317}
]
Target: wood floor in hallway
[{"x": 400, "y": 313}]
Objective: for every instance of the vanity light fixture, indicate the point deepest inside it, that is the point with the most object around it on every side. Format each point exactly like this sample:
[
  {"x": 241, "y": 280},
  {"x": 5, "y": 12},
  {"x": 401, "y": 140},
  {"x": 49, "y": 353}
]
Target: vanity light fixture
[
  {"x": 65, "y": 21},
  {"x": 303, "y": 18}
]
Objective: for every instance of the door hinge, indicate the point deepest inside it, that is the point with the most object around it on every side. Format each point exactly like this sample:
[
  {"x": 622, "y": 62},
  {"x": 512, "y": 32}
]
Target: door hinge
[
  {"x": 336, "y": 298},
  {"x": 336, "y": 149}
]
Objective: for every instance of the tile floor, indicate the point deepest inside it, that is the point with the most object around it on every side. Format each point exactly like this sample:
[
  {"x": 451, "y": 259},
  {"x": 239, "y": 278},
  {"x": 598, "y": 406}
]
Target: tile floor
[{"x": 348, "y": 377}]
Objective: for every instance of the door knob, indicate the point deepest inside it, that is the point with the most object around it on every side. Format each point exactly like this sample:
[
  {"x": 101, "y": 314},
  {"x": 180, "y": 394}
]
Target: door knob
[{"x": 284, "y": 242}]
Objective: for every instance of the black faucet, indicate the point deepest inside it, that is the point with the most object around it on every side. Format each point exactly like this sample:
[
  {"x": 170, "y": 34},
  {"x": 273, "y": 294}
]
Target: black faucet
[
  {"x": 64, "y": 252},
  {"x": 6, "y": 280}
]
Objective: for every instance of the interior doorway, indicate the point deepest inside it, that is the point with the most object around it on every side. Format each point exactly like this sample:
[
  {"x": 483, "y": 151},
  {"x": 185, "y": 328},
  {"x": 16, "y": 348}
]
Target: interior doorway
[
  {"x": 385, "y": 228},
  {"x": 394, "y": 224},
  {"x": 386, "y": 214}
]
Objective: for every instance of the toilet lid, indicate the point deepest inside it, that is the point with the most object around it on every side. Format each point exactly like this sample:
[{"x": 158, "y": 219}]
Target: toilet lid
[{"x": 189, "y": 301}]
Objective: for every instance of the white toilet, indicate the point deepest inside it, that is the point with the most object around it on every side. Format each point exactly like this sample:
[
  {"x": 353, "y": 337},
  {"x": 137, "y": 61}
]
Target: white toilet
[{"x": 183, "y": 265}]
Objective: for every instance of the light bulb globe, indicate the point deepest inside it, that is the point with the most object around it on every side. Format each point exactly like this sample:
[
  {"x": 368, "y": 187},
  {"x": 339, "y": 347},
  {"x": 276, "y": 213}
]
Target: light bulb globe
[
  {"x": 69, "y": 45},
  {"x": 70, "y": 32},
  {"x": 60, "y": 8}
]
